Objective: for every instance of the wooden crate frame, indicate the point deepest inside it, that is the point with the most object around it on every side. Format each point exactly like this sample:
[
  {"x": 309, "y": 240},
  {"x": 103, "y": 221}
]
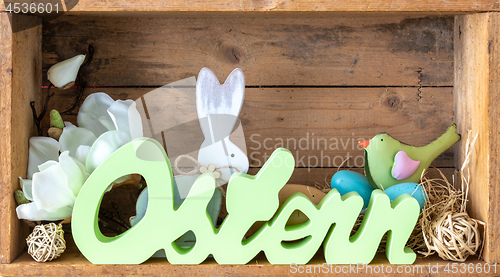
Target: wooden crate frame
[{"x": 476, "y": 99}]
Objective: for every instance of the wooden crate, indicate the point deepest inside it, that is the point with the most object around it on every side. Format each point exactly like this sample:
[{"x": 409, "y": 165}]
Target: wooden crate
[{"x": 343, "y": 69}]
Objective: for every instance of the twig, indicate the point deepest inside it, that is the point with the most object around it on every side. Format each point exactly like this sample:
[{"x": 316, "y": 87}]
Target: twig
[
  {"x": 115, "y": 207},
  {"x": 35, "y": 118},
  {"x": 81, "y": 84},
  {"x": 38, "y": 119},
  {"x": 110, "y": 216},
  {"x": 106, "y": 225}
]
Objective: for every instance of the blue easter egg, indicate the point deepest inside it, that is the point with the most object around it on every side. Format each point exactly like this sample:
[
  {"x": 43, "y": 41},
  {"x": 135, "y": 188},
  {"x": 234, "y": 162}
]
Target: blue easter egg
[
  {"x": 412, "y": 189},
  {"x": 346, "y": 181}
]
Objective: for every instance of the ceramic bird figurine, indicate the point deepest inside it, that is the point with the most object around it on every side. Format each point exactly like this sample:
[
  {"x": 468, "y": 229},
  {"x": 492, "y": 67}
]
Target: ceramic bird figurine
[{"x": 389, "y": 162}]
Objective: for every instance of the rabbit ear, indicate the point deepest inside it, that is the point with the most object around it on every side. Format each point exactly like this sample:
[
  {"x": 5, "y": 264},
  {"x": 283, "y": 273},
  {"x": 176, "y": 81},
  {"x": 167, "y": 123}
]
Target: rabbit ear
[
  {"x": 236, "y": 87},
  {"x": 214, "y": 98}
]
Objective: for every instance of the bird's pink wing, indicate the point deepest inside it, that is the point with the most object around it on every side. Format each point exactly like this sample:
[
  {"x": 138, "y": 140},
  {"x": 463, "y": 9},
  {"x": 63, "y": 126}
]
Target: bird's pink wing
[{"x": 403, "y": 166}]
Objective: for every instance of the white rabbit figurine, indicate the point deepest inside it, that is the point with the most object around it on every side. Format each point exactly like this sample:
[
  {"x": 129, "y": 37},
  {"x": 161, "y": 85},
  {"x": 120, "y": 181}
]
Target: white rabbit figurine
[{"x": 218, "y": 107}]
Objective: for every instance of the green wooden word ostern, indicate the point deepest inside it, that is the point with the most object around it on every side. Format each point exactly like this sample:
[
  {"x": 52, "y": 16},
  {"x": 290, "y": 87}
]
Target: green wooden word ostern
[{"x": 249, "y": 199}]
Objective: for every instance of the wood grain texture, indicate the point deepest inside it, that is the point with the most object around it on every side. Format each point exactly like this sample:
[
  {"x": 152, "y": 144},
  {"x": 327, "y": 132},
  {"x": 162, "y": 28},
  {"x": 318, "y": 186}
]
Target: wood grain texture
[
  {"x": 321, "y": 126},
  {"x": 399, "y": 69},
  {"x": 477, "y": 83},
  {"x": 5, "y": 138},
  {"x": 21, "y": 80},
  {"x": 362, "y": 50},
  {"x": 74, "y": 263},
  {"x": 321, "y": 177},
  {"x": 279, "y": 5},
  {"x": 26, "y": 78}
]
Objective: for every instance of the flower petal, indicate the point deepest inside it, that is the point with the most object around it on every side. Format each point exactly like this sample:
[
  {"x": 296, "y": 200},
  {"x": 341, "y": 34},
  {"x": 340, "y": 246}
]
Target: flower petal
[
  {"x": 82, "y": 152},
  {"x": 72, "y": 137},
  {"x": 126, "y": 117},
  {"x": 81, "y": 165},
  {"x": 73, "y": 172},
  {"x": 94, "y": 107},
  {"x": 107, "y": 123},
  {"x": 47, "y": 164},
  {"x": 104, "y": 146},
  {"x": 67, "y": 124},
  {"x": 27, "y": 187},
  {"x": 50, "y": 189},
  {"x": 65, "y": 72},
  {"x": 31, "y": 212},
  {"x": 41, "y": 149}
]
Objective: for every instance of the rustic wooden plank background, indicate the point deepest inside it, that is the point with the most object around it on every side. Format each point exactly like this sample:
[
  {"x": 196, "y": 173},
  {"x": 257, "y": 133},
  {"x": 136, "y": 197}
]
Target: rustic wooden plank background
[
  {"x": 477, "y": 111},
  {"x": 278, "y": 5},
  {"x": 77, "y": 265},
  {"x": 272, "y": 51},
  {"x": 323, "y": 75},
  {"x": 322, "y": 125},
  {"x": 5, "y": 147},
  {"x": 309, "y": 78},
  {"x": 74, "y": 263},
  {"x": 20, "y": 80}
]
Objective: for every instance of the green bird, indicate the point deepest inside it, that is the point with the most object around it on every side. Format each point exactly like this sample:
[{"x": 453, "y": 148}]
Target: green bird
[{"x": 389, "y": 162}]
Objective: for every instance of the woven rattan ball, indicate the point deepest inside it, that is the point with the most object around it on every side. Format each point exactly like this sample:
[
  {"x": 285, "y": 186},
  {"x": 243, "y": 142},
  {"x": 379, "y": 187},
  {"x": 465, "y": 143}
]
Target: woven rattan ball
[
  {"x": 46, "y": 242},
  {"x": 454, "y": 236}
]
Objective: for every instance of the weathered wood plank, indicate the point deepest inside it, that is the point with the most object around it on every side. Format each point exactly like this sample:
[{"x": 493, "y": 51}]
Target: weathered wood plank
[
  {"x": 321, "y": 177},
  {"x": 278, "y": 5},
  {"x": 75, "y": 264},
  {"x": 367, "y": 50},
  {"x": 325, "y": 124},
  {"x": 477, "y": 80},
  {"x": 321, "y": 126},
  {"x": 5, "y": 138},
  {"x": 20, "y": 80}
]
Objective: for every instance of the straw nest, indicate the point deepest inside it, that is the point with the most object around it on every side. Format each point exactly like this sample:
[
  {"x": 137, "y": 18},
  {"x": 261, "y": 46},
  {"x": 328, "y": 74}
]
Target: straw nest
[{"x": 447, "y": 229}]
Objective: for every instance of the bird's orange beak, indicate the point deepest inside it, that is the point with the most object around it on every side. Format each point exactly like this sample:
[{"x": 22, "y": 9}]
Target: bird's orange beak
[{"x": 364, "y": 143}]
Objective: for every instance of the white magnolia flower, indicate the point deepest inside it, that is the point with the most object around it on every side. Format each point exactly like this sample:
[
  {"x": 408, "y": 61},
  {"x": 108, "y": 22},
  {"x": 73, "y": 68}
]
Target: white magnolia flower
[
  {"x": 63, "y": 74},
  {"x": 104, "y": 126},
  {"x": 54, "y": 189}
]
